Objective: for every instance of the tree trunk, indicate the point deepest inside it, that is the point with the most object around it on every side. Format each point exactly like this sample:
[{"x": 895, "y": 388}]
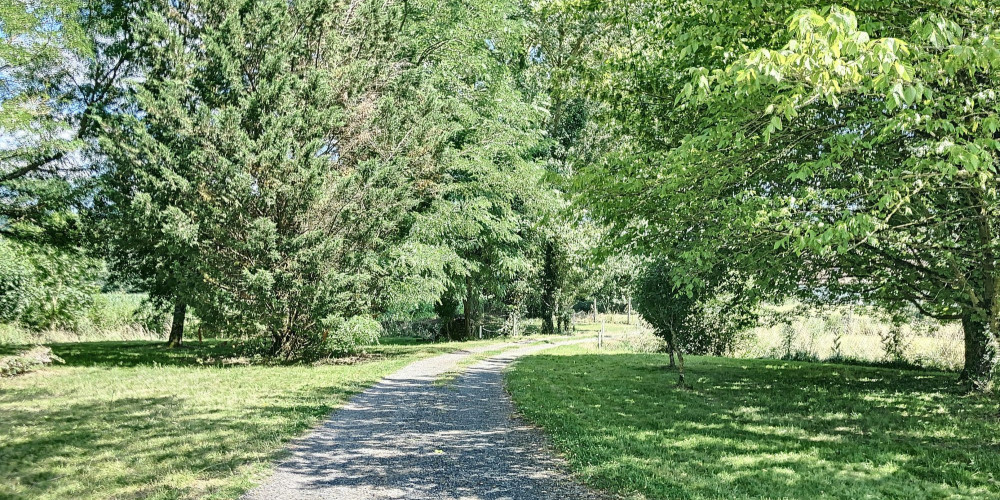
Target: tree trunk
[
  {"x": 628, "y": 321},
  {"x": 680, "y": 368},
  {"x": 557, "y": 312},
  {"x": 177, "y": 324},
  {"x": 595, "y": 310},
  {"x": 467, "y": 307},
  {"x": 548, "y": 327},
  {"x": 980, "y": 355},
  {"x": 671, "y": 349}
]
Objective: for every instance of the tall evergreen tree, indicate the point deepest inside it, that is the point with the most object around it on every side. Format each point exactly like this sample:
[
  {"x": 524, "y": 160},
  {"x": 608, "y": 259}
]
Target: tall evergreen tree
[{"x": 260, "y": 173}]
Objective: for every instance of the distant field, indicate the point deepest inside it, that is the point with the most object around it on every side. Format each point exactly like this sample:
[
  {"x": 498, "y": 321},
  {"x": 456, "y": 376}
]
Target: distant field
[
  {"x": 760, "y": 428},
  {"x": 137, "y": 420},
  {"x": 863, "y": 337},
  {"x": 815, "y": 335},
  {"x": 111, "y": 317}
]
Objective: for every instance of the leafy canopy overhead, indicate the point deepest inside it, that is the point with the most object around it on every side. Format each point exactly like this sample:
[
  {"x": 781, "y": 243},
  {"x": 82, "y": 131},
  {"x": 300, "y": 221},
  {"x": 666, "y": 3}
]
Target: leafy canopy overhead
[{"x": 840, "y": 153}]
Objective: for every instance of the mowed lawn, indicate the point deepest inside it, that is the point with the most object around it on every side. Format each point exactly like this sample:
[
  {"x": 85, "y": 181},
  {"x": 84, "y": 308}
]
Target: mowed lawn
[
  {"x": 137, "y": 420},
  {"x": 760, "y": 428}
]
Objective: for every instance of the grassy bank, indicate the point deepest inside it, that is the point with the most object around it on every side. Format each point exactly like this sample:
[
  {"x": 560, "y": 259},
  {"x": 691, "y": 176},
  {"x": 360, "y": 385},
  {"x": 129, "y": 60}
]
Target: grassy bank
[
  {"x": 137, "y": 420},
  {"x": 760, "y": 428}
]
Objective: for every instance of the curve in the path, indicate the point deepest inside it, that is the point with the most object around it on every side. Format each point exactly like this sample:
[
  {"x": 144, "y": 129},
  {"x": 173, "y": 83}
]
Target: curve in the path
[{"x": 408, "y": 438}]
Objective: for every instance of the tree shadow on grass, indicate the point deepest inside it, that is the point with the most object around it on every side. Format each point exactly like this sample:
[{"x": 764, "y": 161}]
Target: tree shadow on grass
[
  {"x": 139, "y": 447},
  {"x": 143, "y": 353},
  {"x": 8, "y": 349},
  {"x": 762, "y": 428}
]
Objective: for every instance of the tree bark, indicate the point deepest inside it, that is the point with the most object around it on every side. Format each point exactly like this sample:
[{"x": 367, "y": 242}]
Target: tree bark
[
  {"x": 680, "y": 368},
  {"x": 671, "y": 349},
  {"x": 557, "y": 313},
  {"x": 177, "y": 324},
  {"x": 467, "y": 307},
  {"x": 980, "y": 355}
]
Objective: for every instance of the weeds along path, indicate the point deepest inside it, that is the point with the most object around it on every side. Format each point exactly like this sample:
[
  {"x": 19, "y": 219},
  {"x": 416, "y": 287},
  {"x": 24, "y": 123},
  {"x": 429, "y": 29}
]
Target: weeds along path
[{"x": 408, "y": 437}]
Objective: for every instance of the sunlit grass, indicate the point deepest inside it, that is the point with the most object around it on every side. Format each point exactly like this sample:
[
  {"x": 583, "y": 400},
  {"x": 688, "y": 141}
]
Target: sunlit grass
[
  {"x": 760, "y": 428},
  {"x": 137, "y": 420}
]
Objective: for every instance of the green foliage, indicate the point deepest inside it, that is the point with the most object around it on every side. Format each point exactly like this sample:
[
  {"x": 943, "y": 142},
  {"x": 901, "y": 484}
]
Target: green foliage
[
  {"x": 63, "y": 287},
  {"x": 46, "y": 287},
  {"x": 282, "y": 197},
  {"x": 710, "y": 321},
  {"x": 38, "y": 43},
  {"x": 837, "y": 154},
  {"x": 612, "y": 280},
  {"x": 668, "y": 310},
  {"x": 54, "y": 75},
  {"x": 352, "y": 335},
  {"x": 15, "y": 283}
]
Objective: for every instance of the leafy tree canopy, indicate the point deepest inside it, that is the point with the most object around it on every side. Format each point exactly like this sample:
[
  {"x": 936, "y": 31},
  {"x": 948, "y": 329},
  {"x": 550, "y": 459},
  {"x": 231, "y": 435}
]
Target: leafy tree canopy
[{"x": 839, "y": 153}]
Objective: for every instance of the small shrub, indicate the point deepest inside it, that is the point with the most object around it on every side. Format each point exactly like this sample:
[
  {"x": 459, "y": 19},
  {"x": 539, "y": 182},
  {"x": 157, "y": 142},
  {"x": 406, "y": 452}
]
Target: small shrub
[
  {"x": 350, "y": 336},
  {"x": 837, "y": 347},
  {"x": 894, "y": 343},
  {"x": 787, "y": 339}
]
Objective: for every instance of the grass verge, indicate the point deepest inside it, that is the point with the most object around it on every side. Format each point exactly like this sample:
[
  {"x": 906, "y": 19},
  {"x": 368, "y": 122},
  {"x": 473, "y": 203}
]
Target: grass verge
[
  {"x": 137, "y": 420},
  {"x": 760, "y": 428}
]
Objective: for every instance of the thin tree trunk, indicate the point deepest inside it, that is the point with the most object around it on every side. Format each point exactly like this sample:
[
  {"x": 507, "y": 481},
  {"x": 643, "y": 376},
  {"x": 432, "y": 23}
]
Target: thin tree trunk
[
  {"x": 556, "y": 313},
  {"x": 467, "y": 307},
  {"x": 177, "y": 324},
  {"x": 628, "y": 321},
  {"x": 680, "y": 368},
  {"x": 980, "y": 355},
  {"x": 671, "y": 349},
  {"x": 595, "y": 310}
]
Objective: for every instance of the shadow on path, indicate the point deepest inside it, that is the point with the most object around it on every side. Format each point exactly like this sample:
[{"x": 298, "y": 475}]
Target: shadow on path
[{"x": 409, "y": 438}]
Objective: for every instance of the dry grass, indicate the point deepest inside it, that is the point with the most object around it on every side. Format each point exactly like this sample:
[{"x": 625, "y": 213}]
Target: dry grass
[{"x": 857, "y": 335}]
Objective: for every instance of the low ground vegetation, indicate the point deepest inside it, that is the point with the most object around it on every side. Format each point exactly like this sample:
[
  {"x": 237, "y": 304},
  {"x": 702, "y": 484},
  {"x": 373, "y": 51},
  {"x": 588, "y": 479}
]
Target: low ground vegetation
[
  {"x": 140, "y": 420},
  {"x": 749, "y": 428},
  {"x": 21, "y": 361}
]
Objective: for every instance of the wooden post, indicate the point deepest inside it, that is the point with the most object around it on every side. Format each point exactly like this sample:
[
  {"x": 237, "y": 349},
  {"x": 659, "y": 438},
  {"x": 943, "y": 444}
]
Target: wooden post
[{"x": 600, "y": 336}]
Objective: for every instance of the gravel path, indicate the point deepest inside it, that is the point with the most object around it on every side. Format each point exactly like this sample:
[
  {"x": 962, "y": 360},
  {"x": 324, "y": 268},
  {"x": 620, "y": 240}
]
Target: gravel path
[{"x": 407, "y": 438}]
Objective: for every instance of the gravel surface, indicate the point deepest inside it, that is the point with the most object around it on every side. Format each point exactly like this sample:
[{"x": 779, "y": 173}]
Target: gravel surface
[{"x": 408, "y": 438}]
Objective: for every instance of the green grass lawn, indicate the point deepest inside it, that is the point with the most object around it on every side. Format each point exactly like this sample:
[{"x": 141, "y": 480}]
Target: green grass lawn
[
  {"x": 760, "y": 428},
  {"x": 137, "y": 420}
]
